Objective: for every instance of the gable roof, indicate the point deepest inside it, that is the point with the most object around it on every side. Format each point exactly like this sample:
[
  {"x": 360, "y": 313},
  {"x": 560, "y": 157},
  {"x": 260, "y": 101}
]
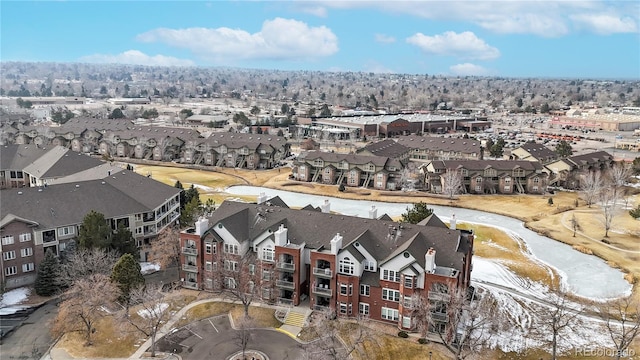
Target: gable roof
[
  {"x": 387, "y": 148},
  {"x": 352, "y": 159},
  {"x": 481, "y": 165},
  {"x": 465, "y": 146},
  {"x": 538, "y": 151}
]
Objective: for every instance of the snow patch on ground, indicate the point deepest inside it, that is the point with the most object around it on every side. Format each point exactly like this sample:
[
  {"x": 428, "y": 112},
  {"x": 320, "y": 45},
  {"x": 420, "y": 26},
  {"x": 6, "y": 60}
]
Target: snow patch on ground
[
  {"x": 208, "y": 189},
  {"x": 149, "y": 267},
  {"x": 9, "y": 304},
  {"x": 158, "y": 309}
]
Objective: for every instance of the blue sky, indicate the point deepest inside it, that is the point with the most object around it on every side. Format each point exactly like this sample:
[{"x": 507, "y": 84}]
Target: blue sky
[{"x": 570, "y": 38}]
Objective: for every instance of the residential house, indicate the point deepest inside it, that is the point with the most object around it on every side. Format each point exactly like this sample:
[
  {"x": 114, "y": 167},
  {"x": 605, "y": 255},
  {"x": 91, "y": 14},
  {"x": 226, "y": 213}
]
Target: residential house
[
  {"x": 387, "y": 148},
  {"x": 489, "y": 176},
  {"x": 533, "y": 151},
  {"x": 354, "y": 266},
  {"x": 426, "y": 148},
  {"x": 566, "y": 172}
]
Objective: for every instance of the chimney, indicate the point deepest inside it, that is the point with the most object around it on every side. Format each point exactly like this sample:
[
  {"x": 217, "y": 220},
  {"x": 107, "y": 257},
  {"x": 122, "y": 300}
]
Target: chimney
[
  {"x": 262, "y": 198},
  {"x": 373, "y": 213},
  {"x": 452, "y": 223},
  {"x": 281, "y": 236},
  {"x": 336, "y": 244},
  {"x": 430, "y": 261},
  {"x": 201, "y": 225},
  {"x": 326, "y": 207}
]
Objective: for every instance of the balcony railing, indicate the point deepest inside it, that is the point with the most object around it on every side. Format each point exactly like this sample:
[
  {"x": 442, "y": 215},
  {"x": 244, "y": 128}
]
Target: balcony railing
[
  {"x": 285, "y": 301},
  {"x": 285, "y": 284},
  {"x": 191, "y": 268},
  {"x": 407, "y": 304},
  {"x": 321, "y": 308},
  {"x": 190, "y": 285},
  {"x": 322, "y": 291},
  {"x": 438, "y": 316},
  {"x": 190, "y": 251},
  {"x": 286, "y": 266},
  {"x": 438, "y": 296},
  {"x": 322, "y": 272}
]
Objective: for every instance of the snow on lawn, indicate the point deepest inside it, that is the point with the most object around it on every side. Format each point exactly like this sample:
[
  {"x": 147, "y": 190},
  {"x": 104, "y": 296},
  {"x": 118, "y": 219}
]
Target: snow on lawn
[
  {"x": 149, "y": 267},
  {"x": 521, "y": 304},
  {"x": 158, "y": 309},
  {"x": 11, "y": 299}
]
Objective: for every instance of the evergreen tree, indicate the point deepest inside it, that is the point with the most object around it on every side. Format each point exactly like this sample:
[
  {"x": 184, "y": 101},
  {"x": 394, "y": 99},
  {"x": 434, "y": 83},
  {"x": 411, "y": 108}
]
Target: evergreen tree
[
  {"x": 127, "y": 276},
  {"x": 94, "y": 232},
  {"x": 47, "y": 283},
  {"x": 497, "y": 150},
  {"x": 190, "y": 212},
  {"x": 417, "y": 213},
  {"x": 124, "y": 243},
  {"x": 564, "y": 149}
]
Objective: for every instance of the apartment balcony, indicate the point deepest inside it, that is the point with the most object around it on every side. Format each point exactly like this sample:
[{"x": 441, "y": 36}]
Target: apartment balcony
[
  {"x": 407, "y": 304},
  {"x": 285, "y": 301},
  {"x": 190, "y": 285},
  {"x": 190, "y": 268},
  {"x": 322, "y": 291},
  {"x": 326, "y": 273},
  {"x": 291, "y": 267},
  {"x": 190, "y": 251},
  {"x": 438, "y": 316},
  {"x": 285, "y": 284},
  {"x": 321, "y": 308}
]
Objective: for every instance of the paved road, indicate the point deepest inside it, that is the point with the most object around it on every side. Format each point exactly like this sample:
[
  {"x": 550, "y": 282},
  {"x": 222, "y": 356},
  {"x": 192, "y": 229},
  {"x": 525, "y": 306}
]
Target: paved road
[
  {"x": 214, "y": 339},
  {"x": 32, "y": 339}
]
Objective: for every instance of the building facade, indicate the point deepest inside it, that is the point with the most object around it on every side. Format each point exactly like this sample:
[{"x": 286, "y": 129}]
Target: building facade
[{"x": 354, "y": 266}]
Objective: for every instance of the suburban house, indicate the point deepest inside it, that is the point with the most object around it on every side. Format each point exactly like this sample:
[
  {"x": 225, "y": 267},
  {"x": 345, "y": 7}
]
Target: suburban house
[
  {"x": 566, "y": 172},
  {"x": 426, "y": 148},
  {"x": 33, "y": 165},
  {"x": 36, "y": 219},
  {"x": 349, "y": 169},
  {"x": 354, "y": 266},
  {"x": 488, "y": 176},
  {"x": 387, "y": 148},
  {"x": 533, "y": 151}
]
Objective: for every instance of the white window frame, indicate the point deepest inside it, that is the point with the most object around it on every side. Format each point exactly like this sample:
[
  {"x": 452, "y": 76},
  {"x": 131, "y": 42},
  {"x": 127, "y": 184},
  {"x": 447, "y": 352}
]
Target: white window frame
[
  {"x": 7, "y": 240},
  {"x": 363, "y": 309},
  {"x": 389, "y": 314},
  {"x": 66, "y": 230},
  {"x": 208, "y": 265},
  {"x": 231, "y": 265},
  {"x": 346, "y": 266},
  {"x": 28, "y": 267},
  {"x": 208, "y": 248},
  {"x": 390, "y": 275},
  {"x": 231, "y": 249},
  {"x": 365, "y": 290},
  {"x": 268, "y": 254},
  {"x": 24, "y": 237},
  {"x": 266, "y": 275},
  {"x": 27, "y": 252},
  {"x": 9, "y": 255},
  {"x": 409, "y": 279},
  {"x": 390, "y": 295},
  {"x": 10, "y": 270},
  {"x": 369, "y": 265}
]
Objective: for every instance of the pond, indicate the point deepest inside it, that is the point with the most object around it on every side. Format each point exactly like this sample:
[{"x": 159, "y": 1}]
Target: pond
[{"x": 585, "y": 275}]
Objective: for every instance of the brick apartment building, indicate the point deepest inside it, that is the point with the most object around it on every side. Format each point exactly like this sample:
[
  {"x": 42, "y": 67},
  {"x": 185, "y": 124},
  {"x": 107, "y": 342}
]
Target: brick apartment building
[{"x": 355, "y": 266}]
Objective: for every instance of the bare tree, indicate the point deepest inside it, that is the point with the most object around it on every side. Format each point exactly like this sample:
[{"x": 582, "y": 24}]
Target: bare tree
[
  {"x": 329, "y": 344},
  {"x": 451, "y": 183},
  {"x": 617, "y": 176},
  {"x": 238, "y": 276},
  {"x": 608, "y": 200},
  {"x": 84, "y": 304},
  {"x": 591, "y": 184},
  {"x": 463, "y": 322},
  {"x": 575, "y": 225},
  {"x": 622, "y": 322},
  {"x": 165, "y": 250},
  {"x": 558, "y": 319},
  {"x": 243, "y": 334},
  {"x": 83, "y": 263},
  {"x": 153, "y": 311}
]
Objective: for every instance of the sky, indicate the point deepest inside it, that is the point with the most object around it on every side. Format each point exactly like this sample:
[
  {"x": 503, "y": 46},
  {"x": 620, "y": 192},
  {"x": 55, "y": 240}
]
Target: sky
[{"x": 508, "y": 38}]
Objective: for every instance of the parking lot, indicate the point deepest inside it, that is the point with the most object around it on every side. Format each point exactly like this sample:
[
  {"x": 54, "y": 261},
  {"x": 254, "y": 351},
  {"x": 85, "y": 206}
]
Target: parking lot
[{"x": 214, "y": 339}]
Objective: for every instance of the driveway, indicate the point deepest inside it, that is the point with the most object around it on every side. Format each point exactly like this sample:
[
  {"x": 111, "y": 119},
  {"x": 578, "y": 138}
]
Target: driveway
[
  {"x": 215, "y": 339},
  {"x": 31, "y": 338}
]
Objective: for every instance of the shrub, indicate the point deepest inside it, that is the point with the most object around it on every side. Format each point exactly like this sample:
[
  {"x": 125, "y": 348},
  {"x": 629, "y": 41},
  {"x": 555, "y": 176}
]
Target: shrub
[
  {"x": 341, "y": 188},
  {"x": 423, "y": 341},
  {"x": 550, "y": 201},
  {"x": 403, "y": 334},
  {"x": 635, "y": 213}
]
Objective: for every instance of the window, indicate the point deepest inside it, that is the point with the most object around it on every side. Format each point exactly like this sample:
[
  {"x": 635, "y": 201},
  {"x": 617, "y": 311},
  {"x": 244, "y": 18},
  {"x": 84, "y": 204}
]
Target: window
[
  {"x": 208, "y": 248},
  {"x": 479, "y": 179},
  {"x": 365, "y": 290},
  {"x": 343, "y": 308},
  {"x": 350, "y": 289},
  {"x": 536, "y": 180},
  {"x": 266, "y": 293},
  {"x": 266, "y": 275},
  {"x": 9, "y": 255},
  {"x": 27, "y": 252},
  {"x": 390, "y": 294},
  {"x": 25, "y": 237},
  {"x": 478, "y": 188},
  {"x": 231, "y": 249},
  {"x": 230, "y": 283},
  {"x": 7, "y": 240},
  {"x": 28, "y": 267},
  {"x": 352, "y": 180},
  {"x": 390, "y": 275},
  {"x": 343, "y": 289},
  {"x": 252, "y": 269},
  {"x": 138, "y": 217},
  {"x": 369, "y": 265},
  {"x": 535, "y": 188},
  {"x": 408, "y": 281},
  {"x": 139, "y": 230},
  {"x": 11, "y": 270},
  {"x": 406, "y": 322},
  {"x": 67, "y": 230},
  {"x": 507, "y": 180},
  {"x": 346, "y": 266},
  {"x": 380, "y": 176},
  {"x": 268, "y": 254},
  {"x": 390, "y": 314},
  {"x": 318, "y": 162},
  {"x": 407, "y": 302},
  {"x": 507, "y": 188},
  {"x": 230, "y": 265},
  {"x": 208, "y": 266},
  {"x": 363, "y": 309}
]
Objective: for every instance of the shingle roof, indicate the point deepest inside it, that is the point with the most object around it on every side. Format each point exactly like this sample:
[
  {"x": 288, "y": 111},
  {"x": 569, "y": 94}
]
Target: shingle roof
[
  {"x": 17, "y": 157},
  {"x": 467, "y": 146},
  {"x": 386, "y": 148},
  {"x": 538, "y": 151},
  {"x": 65, "y": 204},
  {"x": 481, "y": 165},
  {"x": 311, "y": 228},
  {"x": 352, "y": 159},
  {"x": 590, "y": 158}
]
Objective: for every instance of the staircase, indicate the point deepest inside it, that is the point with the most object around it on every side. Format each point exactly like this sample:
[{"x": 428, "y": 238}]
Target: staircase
[
  {"x": 367, "y": 180},
  {"x": 316, "y": 175},
  {"x": 340, "y": 178},
  {"x": 520, "y": 187},
  {"x": 295, "y": 319}
]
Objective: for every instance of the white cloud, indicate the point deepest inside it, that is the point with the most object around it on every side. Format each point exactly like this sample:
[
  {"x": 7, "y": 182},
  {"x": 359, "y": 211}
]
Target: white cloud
[
  {"x": 468, "y": 69},
  {"x": 279, "y": 39},
  {"x": 382, "y": 38},
  {"x": 319, "y": 11},
  {"x": 605, "y": 24},
  {"x": 464, "y": 45},
  {"x": 137, "y": 58}
]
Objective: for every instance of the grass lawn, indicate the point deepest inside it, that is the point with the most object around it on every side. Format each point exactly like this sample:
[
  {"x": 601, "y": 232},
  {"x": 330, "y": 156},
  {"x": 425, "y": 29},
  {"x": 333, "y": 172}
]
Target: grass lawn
[{"x": 260, "y": 317}]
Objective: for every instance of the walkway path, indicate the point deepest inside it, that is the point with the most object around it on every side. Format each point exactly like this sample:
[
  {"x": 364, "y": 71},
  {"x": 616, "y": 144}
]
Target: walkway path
[{"x": 567, "y": 224}]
